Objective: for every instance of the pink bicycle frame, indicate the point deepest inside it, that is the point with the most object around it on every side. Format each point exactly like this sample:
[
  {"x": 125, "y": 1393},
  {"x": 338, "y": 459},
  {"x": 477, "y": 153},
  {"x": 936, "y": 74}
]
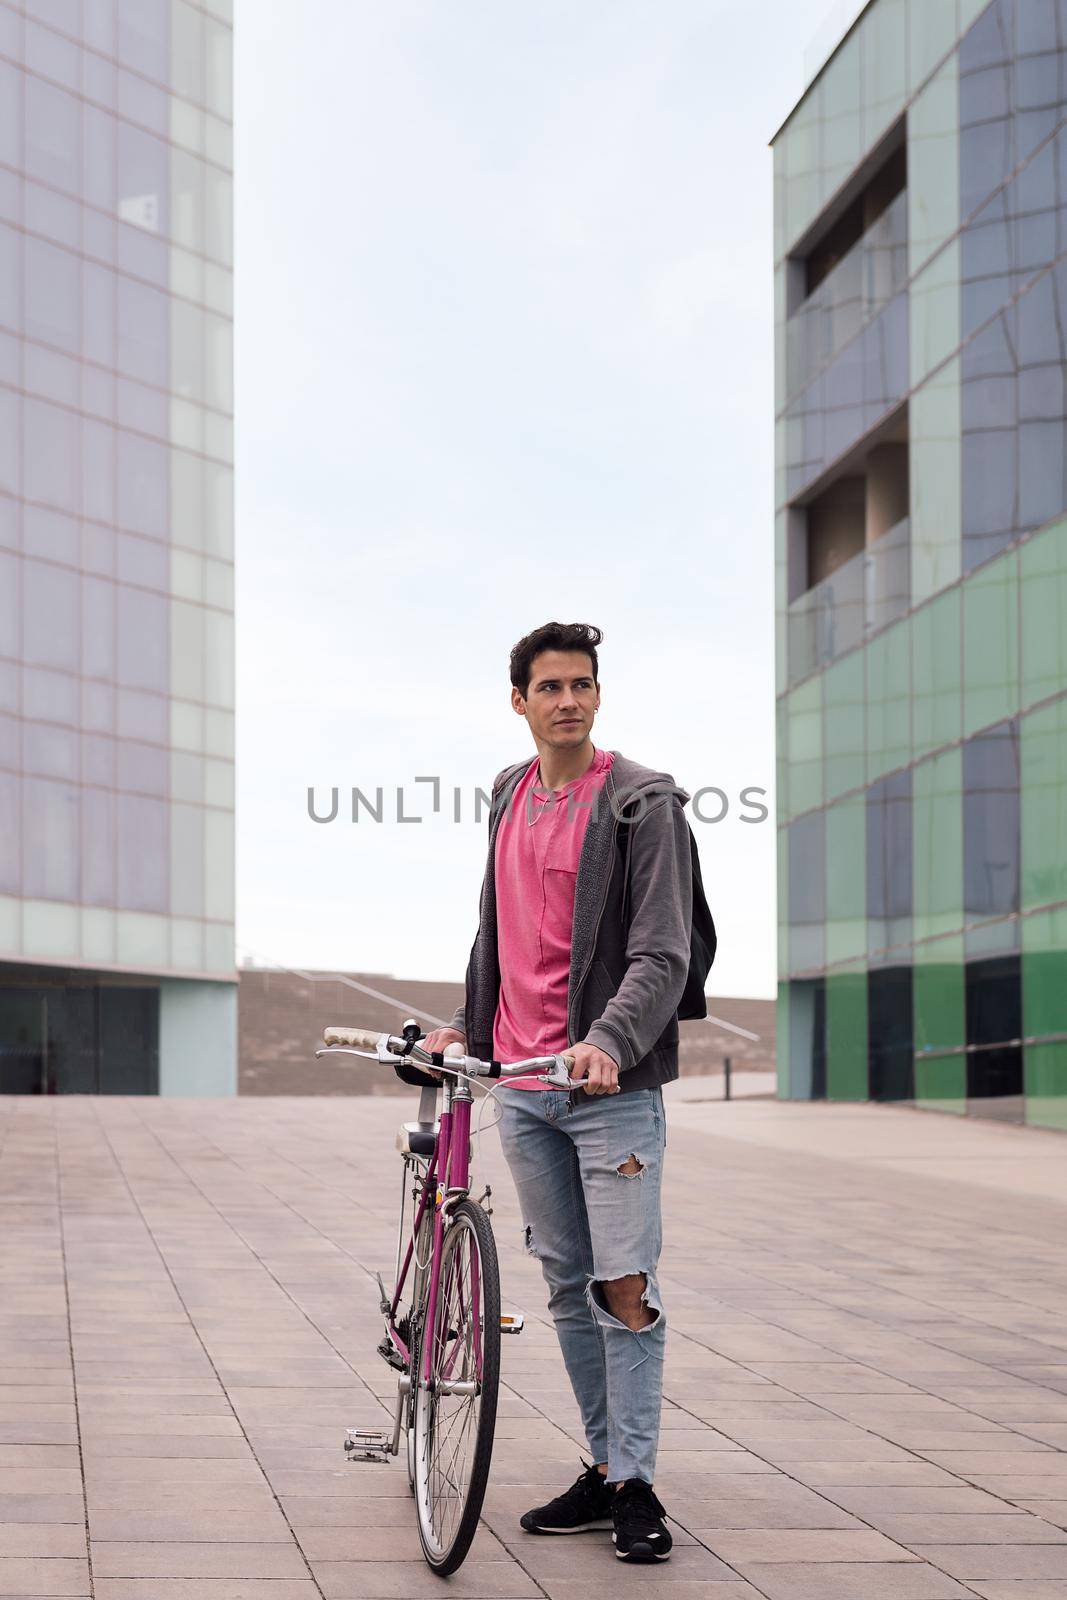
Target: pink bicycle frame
[{"x": 447, "y": 1178}]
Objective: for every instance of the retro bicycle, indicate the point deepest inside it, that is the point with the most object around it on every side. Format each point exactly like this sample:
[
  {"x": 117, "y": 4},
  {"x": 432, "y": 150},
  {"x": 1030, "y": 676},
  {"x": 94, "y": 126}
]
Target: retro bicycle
[{"x": 442, "y": 1320}]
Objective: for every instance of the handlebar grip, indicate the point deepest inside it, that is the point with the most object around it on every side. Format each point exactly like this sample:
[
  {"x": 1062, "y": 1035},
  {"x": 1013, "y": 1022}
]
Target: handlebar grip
[
  {"x": 354, "y": 1038},
  {"x": 568, "y": 1062}
]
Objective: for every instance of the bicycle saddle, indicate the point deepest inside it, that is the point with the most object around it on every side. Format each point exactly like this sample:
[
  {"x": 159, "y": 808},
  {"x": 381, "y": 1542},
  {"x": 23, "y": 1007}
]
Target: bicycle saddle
[{"x": 416, "y": 1138}]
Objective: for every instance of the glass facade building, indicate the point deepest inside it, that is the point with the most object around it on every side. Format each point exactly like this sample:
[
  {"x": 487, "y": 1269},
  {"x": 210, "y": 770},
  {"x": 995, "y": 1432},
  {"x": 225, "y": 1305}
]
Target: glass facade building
[
  {"x": 921, "y": 563},
  {"x": 117, "y": 968}
]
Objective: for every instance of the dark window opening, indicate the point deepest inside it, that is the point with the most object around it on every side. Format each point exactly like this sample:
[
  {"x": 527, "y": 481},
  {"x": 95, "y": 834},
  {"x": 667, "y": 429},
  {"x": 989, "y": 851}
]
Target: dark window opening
[
  {"x": 890, "y": 1034},
  {"x": 864, "y": 211},
  {"x": 77, "y": 1033}
]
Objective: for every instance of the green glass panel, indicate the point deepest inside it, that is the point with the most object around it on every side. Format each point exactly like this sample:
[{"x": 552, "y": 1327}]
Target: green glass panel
[
  {"x": 781, "y": 719},
  {"x": 933, "y": 163},
  {"x": 937, "y": 844},
  {"x": 845, "y": 724},
  {"x": 1044, "y": 963},
  {"x": 847, "y": 1076},
  {"x": 846, "y": 879},
  {"x": 932, "y": 26},
  {"x": 991, "y": 644},
  {"x": 805, "y": 746},
  {"x": 934, "y": 310},
  {"x": 1043, "y": 805},
  {"x": 783, "y": 900},
  {"x": 934, "y": 428},
  {"x": 884, "y": 44},
  {"x": 888, "y": 700},
  {"x": 842, "y": 131},
  {"x": 803, "y": 197},
  {"x": 781, "y": 1041},
  {"x": 1043, "y": 575},
  {"x": 937, "y": 706},
  {"x": 938, "y": 998},
  {"x": 1045, "y": 1080}
]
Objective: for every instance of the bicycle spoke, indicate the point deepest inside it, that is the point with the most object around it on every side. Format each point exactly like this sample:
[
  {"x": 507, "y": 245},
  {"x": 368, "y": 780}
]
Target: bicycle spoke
[{"x": 452, "y": 1437}]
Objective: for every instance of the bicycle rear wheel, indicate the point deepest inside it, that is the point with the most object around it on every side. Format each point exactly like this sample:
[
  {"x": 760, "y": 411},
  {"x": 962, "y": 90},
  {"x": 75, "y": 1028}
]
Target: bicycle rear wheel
[{"x": 455, "y": 1418}]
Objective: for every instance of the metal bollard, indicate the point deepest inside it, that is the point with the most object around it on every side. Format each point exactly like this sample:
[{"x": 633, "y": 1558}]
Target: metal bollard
[{"x": 726, "y": 1074}]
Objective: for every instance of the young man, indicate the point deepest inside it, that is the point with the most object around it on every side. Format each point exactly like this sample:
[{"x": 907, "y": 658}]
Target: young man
[{"x": 583, "y": 945}]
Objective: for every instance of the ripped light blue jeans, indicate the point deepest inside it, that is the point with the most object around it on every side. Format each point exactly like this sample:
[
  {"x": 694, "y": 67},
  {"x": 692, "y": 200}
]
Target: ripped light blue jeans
[{"x": 587, "y": 1223}]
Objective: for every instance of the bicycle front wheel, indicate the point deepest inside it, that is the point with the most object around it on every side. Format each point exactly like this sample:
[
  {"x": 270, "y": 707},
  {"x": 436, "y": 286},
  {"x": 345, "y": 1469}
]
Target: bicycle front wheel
[{"x": 455, "y": 1417}]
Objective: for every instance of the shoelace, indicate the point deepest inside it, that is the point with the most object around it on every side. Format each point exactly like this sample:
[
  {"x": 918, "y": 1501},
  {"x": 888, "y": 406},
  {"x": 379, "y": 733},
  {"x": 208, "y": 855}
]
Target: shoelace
[{"x": 639, "y": 1504}]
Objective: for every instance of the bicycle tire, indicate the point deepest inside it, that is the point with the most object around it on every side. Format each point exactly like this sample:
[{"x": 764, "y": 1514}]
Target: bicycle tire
[{"x": 445, "y": 1554}]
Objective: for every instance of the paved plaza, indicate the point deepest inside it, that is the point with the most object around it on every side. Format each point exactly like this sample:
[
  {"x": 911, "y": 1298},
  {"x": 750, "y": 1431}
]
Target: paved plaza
[{"x": 866, "y": 1385}]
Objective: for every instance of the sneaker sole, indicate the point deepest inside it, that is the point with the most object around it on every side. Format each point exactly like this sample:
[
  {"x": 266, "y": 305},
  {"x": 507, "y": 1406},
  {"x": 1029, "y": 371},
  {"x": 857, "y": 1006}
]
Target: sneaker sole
[
  {"x": 642, "y": 1554},
  {"x": 583, "y": 1527}
]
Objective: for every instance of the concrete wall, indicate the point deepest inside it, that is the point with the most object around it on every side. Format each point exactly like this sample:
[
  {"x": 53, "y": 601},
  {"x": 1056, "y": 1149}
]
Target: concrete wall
[{"x": 197, "y": 1038}]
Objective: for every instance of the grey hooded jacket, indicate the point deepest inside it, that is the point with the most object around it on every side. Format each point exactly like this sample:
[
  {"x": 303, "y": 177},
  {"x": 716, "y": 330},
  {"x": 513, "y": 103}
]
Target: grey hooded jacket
[{"x": 625, "y": 979}]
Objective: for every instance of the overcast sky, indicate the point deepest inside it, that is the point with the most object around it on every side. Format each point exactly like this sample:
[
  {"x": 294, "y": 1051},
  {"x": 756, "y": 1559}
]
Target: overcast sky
[{"x": 504, "y": 354}]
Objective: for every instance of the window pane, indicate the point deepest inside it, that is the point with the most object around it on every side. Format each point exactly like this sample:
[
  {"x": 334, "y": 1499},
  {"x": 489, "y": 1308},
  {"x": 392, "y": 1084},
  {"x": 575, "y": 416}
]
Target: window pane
[
  {"x": 142, "y": 177},
  {"x": 10, "y": 833},
  {"x": 50, "y": 826},
  {"x": 144, "y": 36},
  {"x": 144, "y": 493},
  {"x": 98, "y": 628},
  {"x": 219, "y": 68},
  {"x": 50, "y": 752},
  {"x": 50, "y": 616},
  {"x": 218, "y": 214},
  {"x": 889, "y": 857},
  {"x": 187, "y": 192},
  {"x": 53, "y": 695},
  {"x": 187, "y": 861},
  {"x": 1044, "y": 808},
  {"x": 53, "y": 135},
  {"x": 52, "y": 455},
  {"x": 187, "y": 52},
  {"x": 142, "y": 853},
  {"x": 53, "y": 295},
  {"x": 143, "y": 645},
  {"x": 98, "y": 160},
  {"x": 937, "y": 845},
  {"x": 10, "y": 278},
  {"x": 807, "y": 891},
  {"x": 11, "y": 81},
  {"x": 143, "y": 319},
  {"x": 991, "y": 822}
]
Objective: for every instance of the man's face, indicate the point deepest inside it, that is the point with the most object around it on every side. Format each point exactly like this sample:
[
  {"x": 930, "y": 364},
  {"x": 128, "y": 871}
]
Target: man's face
[{"x": 560, "y": 699}]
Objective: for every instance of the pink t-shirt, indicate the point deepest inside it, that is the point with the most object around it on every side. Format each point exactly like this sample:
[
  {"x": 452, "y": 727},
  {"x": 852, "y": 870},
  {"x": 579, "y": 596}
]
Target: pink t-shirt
[{"x": 538, "y": 844}]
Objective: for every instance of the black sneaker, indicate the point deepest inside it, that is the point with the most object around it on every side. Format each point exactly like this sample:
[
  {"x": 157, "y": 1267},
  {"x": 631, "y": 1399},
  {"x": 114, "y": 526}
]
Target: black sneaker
[
  {"x": 586, "y": 1504},
  {"x": 640, "y": 1531}
]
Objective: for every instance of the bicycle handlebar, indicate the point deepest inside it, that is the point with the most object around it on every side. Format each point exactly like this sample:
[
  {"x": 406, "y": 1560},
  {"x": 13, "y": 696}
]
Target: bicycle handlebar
[{"x": 389, "y": 1048}]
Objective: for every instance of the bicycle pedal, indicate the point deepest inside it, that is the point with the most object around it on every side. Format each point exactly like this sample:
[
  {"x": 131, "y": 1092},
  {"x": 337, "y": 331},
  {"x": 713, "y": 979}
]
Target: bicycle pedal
[
  {"x": 512, "y": 1324},
  {"x": 368, "y": 1444}
]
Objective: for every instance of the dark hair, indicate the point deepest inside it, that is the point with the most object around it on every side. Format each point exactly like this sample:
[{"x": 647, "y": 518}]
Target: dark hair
[{"x": 553, "y": 636}]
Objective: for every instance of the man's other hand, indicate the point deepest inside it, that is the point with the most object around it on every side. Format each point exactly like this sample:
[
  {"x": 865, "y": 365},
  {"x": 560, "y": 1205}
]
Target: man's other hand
[
  {"x": 597, "y": 1066},
  {"x": 438, "y": 1040}
]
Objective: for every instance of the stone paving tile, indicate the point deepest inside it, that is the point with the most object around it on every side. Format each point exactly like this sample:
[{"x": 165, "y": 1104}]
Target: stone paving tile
[
  {"x": 967, "y": 1561},
  {"x": 186, "y": 1559},
  {"x": 206, "y": 1589},
  {"x": 31, "y": 1575},
  {"x": 914, "y": 1530},
  {"x": 866, "y": 1380},
  {"x": 746, "y": 1548},
  {"x": 870, "y": 1581},
  {"x": 41, "y": 1539},
  {"x": 22, "y": 1508}
]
